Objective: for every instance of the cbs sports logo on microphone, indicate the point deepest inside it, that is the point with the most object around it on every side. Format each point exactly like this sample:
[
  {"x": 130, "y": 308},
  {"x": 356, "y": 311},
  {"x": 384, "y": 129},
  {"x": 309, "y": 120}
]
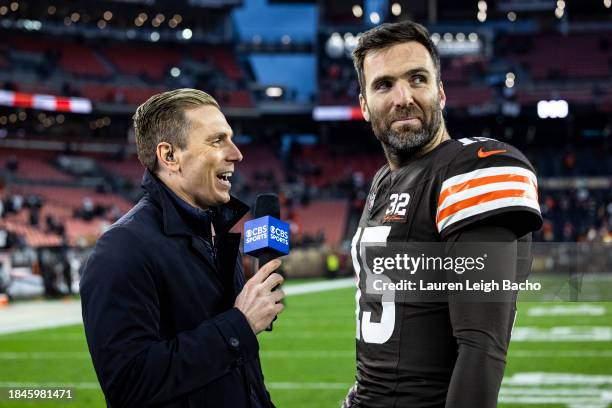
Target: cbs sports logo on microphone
[{"x": 266, "y": 232}]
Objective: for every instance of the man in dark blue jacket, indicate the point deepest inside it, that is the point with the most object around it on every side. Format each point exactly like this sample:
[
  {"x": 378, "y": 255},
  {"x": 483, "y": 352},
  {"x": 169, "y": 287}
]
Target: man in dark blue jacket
[{"x": 169, "y": 319}]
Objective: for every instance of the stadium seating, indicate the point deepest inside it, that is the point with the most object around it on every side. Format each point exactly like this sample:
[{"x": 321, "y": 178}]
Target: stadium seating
[
  {"x": 72, "y": 197},
  {"x": 130, "y": 168},
  {"x": 323, "y": 167},
  {"x": 81, "y": 60},
  {"x": 465, "y": 96},
  {"x": 220, "y": 57},
  {"x": 154, "y": 62},
  {"x": 132, "y": 95},
  {"x": 327, "y": 216},
  {"x": 34, "y": 165},
  {"x": 547, "y": 58},
  {"x": 258, "y": 160}
]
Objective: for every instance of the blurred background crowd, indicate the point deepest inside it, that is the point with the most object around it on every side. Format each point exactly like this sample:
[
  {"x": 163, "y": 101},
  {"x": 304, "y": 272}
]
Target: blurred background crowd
[{"x": 535, "y": 74}]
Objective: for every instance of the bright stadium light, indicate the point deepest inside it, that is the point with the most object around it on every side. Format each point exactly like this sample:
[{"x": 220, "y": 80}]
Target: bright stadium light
[
  {"x": 511, "y": 16},
  {"x": 374, "y": 17},
  {"x": 553, "y": 109},
  {"x": 350, "y": 42},
  {"x": 286, "y": 39},
  {"x": 154, "y": 36},
  {"x": 561, "y": 4},
  {"x": 473, "y": 37},
  {"x": 108, "y": 15},
  {"x": 448, "y": 37},
  {"x": 482, "y": 5},
  {"x": 396, "y": 9},
  {"x": 187, "y": 33},
  {"x": 334, "y": 47},
  {"x": 274, "y": 92},
  {"x": 607, "y": 3},
  {"x": 460, "y": 37},
  {"x": 175, "y": 72},
  {"x": 559, "y": 12},
  {"x": 357, "y": 11},
  {"x": 435, "y": 38},
  {"x": 482, "y": 16}
]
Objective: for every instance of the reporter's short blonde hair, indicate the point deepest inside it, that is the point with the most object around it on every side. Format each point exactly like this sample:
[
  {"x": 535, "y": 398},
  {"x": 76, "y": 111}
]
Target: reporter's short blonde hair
[{"x": 162, "y": 119}]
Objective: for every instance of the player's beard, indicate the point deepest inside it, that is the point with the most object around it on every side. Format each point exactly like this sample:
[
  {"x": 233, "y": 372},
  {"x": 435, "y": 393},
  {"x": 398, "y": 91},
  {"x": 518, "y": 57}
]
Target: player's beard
[{"x": 407, "y": 140}]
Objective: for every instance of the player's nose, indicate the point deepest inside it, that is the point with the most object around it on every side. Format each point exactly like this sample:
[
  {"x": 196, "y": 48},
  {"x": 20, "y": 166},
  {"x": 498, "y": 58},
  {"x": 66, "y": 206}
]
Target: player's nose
[{"x": 402, "y": 94}]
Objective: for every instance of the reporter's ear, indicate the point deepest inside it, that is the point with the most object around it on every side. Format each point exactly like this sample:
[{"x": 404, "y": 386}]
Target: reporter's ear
[{"x": 166, "y": 158}]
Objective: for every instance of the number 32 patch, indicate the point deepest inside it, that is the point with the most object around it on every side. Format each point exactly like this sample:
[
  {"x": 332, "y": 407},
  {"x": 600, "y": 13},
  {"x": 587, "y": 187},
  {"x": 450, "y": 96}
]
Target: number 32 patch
[{"x": 396, "y": 212}]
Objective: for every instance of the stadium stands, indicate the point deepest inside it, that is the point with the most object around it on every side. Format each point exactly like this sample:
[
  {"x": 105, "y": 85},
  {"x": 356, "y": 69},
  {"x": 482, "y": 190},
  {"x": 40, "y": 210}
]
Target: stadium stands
[
  {"x": 151, "y": 61},
  {"x": 546, "y": 58},
  {"x": 81, "y": 60},
  {"x": 33, "y": 165}
]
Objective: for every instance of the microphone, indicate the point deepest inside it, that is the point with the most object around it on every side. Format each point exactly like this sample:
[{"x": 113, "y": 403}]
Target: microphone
[{"x": 266, "y": 237}]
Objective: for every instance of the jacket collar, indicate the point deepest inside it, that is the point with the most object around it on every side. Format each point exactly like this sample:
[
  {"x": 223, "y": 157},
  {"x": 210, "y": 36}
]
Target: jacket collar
[{"x": 224, "y": 216}]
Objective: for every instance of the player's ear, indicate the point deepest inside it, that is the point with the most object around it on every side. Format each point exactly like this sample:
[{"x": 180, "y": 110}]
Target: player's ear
[
  {"x": 364, "y": 107},
  {"x": 441, "y": 95},
  {"x": 167, "y": 157}
]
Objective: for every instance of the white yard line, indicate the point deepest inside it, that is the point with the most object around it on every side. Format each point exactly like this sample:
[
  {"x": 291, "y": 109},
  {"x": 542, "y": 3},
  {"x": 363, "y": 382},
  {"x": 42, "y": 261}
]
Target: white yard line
[
  {"x": 563, "y": 334},
  {"x": 36, "y": 315},
  {"x": 323, "y": 286},
  {"x": 541, "y": 378},
  {"x": 567, "y": 310}
]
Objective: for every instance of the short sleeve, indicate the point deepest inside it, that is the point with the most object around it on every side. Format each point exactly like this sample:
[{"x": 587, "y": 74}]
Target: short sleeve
[{"x": 488, "y": 182}]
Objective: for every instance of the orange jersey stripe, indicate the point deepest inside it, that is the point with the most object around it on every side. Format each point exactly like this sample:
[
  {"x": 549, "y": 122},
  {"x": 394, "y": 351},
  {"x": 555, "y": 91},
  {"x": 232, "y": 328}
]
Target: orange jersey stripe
[
  {"x": 483, "y": 198},
  {"x": 480, "y": 182}
]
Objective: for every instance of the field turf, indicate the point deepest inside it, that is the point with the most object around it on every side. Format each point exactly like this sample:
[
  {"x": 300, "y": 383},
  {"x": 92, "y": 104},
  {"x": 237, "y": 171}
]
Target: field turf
[{"x": 308, "y": 359}]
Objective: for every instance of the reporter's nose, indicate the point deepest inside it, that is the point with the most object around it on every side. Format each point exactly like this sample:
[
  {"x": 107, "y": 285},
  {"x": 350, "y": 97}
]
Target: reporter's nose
[{"x": 234, "y": 155}]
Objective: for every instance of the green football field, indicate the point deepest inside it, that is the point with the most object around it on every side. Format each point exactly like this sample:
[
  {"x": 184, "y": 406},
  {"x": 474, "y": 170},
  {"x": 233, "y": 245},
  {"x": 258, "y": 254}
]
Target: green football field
[{"x": 561, "y": 356}]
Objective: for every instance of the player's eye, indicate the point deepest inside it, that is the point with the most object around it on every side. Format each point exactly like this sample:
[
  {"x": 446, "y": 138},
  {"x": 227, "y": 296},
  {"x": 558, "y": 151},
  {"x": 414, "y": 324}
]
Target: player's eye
[{"x": 382, "y": 85}]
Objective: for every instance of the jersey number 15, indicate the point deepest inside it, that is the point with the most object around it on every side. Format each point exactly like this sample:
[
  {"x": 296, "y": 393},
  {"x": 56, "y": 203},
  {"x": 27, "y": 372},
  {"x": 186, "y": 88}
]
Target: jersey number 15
[{"x": 367, "y": 330}]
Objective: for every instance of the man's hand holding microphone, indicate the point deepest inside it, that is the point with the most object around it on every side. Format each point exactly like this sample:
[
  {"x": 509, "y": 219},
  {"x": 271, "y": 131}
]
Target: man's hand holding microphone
[
  {"x": 265, "y": 237},
  {"x": 259, "y": 301}
]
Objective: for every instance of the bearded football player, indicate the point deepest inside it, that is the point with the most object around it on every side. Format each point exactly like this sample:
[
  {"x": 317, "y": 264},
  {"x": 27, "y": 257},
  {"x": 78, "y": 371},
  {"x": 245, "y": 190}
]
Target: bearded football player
[{"x": 433, "y": 189}]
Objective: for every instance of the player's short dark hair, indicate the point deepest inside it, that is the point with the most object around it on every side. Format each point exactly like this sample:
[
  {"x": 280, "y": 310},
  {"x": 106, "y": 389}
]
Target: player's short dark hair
[
  {"x": 162, "y": 119},
  {"x": 388, "y": 34}
]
